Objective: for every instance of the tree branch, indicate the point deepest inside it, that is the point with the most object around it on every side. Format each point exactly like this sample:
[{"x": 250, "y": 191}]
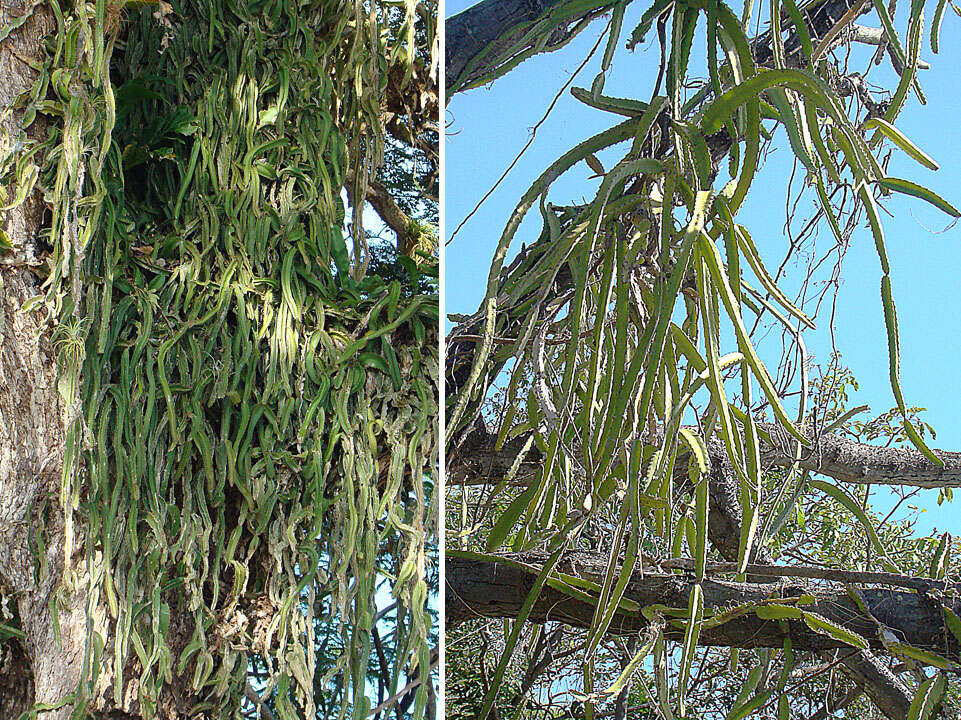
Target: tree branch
[
  {"x": 827, "y": 711},
  {"x": 487, "y": 40},
  {"x": 485, "y": 588},
  {"x": 483, "y": 40},
  {"x": 387, "y": 209},
  {"x": 477, "y": 460},
  {"x": 813, "y": 572},
  {"x": 263, "y": 710},
  {"x": 874, "y": 678}
]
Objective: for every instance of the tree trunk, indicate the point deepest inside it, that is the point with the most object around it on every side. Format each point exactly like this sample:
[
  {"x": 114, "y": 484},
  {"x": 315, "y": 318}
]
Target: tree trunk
[
  {"x": 44, "y": 666},
  {"x": 42, "y": 669}
]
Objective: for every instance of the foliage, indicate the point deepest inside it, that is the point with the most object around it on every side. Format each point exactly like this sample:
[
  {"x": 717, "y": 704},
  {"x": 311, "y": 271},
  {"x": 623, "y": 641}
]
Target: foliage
[
  {"x": 250, "y": 414},
  {"x": 385, "y": 676},
  {"x": 619, "y": 317},
  {"x": 414, "y": 279},
  {"x": 817, "y": 532}
]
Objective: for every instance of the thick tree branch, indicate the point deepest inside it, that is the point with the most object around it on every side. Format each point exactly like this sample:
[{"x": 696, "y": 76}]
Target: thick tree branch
[
  {"x": 477, "y": 461},
  {"x": 482, "y": 40},
  {"x": 875, "y": 679},
  {"x": 387, "y": 209},
  {"x": 486, "y": 40},
  {"x": 850, "y": 461},
  {"x": 263, "y": 710},
  {"x": 484, "y": 588},
  {"x": 16, "y": 679},
  {"x": 812, "y": 572}
]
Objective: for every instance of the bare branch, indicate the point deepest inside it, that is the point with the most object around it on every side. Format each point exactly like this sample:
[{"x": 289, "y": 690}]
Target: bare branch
[
  {"x": 876, "y": 36},
  {"x": 263, "y": 711}
]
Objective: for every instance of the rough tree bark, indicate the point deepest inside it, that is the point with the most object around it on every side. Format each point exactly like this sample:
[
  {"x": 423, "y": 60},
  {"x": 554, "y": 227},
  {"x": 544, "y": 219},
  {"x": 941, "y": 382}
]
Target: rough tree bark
[
  {"x": 485, "y": 588},
  {"x": 483, "y": 40},
  {"x": 38, "y": 668},
  {"x": 477, "y": 38}
]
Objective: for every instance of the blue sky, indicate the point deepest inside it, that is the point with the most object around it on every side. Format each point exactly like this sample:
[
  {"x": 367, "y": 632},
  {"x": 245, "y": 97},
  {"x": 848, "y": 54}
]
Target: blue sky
[{"x": 487, "y": 127}]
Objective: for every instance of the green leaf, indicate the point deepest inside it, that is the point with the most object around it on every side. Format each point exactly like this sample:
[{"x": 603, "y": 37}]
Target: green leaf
[
  {"x": 800, "y": 26},
  {"x": 373, "y": 360},
  {"x": 936, "y": 24},
  {"x": 747, "y": 689},
  {"x": 696, "y": 605},
  {"x": 902, "y": 141},
  {"x": 701, "y": 519},
  {"x": 628, "y": 672},
  {"x": 894, "y": 361},
  {"x": 844, "y": 418},
  {"x": 910, "y": 188},
  {"x": 338, "y": 252},
  {"x": 511, "y": 641},
  {"x": 753, "y": 257},
  {"x": 925, "y": 657},
  {"x": 792, "y": 127},
  {"x": 826, "y": 627},
  {"x": 725, "y": 105},
  {"x": 698, "y": 448},
  {"x": 713, "y": 260},
  {"x": 778, "y": 612},
  {"x": 594, "y": 164},
  {"x": 952, "y": 621},
  {"x": 842, "y": 497},
  {"x": 745, "y": 709},
  {"x": 619, "y": 106},
  {"x": 504, "y": 524},
  {"x": 940, "y": 561},
  {"x": 8, "y": 631},
  {"x": 927, "y": 698}
]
